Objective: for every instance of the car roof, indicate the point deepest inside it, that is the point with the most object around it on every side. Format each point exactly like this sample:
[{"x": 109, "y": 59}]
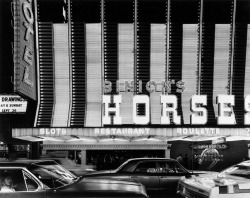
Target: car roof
[
  {"x": 151, "y": 158},
  {"x": 21, "y": 163}
]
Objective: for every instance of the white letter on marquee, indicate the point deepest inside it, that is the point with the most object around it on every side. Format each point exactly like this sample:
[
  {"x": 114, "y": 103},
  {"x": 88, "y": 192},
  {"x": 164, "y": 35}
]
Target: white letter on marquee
[
  {"x": 226, "y": 115},
  {"x": 165, "y": 118},
  {"x": 141, "y": 99},
  {"x": 199, "y": 115},
  {"x": 117, "y": 118},
  {"x": 247, "y": 109},
  {"x": 29, "y": 31}
]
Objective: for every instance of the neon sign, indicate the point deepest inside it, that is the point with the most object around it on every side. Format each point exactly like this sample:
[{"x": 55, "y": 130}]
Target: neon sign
[
  {"x": 24, "y": 56},
  {"x": 198, "y": 113}
]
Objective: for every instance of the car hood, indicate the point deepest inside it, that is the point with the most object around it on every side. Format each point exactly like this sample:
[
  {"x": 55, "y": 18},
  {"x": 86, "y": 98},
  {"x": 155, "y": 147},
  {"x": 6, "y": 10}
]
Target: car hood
[
  {"x": 107, "y": 185},
  {"x": 103, "y": 188},
  {"x": 209, "y": 181}
]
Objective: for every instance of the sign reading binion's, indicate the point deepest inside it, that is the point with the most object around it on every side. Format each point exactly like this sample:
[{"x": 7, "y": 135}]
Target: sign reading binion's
[{"x": 24, "y": 45}]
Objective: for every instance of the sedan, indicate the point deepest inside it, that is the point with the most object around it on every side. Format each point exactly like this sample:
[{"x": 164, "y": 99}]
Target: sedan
[
  {"x": 47, "y": 179},
  {"x": 156, "y": 174},
  {"x": 233, "y": 182}
]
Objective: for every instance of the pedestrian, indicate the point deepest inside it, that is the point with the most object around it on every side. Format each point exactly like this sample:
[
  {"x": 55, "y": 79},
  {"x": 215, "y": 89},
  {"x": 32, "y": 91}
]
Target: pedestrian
[
  {"x": 246, "y": 158},
  {"x": 185, "y": 161},
  {"x": 196, "y": 161},
  {"x": 179, "y": 159}
]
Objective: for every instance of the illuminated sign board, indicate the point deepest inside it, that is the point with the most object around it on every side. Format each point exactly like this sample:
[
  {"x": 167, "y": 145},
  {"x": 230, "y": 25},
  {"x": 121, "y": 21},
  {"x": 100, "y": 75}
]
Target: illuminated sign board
[
  {"x": 223, "y": 146},
  {"x": 198, "y": 114},
  {"x": 20, "y": 148},
  {"x": 133, "y": 131},
  {"x": 123, "y": 131},
  {"x": 12, "y": 104},
  {"x": 24, "y": 48},
  {"x": 198, "y": 131},
  {"x": 98, "y": 131}
]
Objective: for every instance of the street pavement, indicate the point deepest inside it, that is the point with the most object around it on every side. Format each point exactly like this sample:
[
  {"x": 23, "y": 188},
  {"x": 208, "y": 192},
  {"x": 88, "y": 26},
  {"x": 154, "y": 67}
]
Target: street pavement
[{"x": 163, "y": 195}]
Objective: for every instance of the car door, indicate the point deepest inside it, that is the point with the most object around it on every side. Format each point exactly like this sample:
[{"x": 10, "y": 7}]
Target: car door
[
  {"x": 170, "y": 173},
  {"x": 24, "y": 184},
  {"x": 146, "y": 173}
]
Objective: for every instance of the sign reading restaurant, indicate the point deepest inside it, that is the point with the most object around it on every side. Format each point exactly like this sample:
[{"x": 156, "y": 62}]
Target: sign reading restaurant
[{"x": 24, "y": 48}]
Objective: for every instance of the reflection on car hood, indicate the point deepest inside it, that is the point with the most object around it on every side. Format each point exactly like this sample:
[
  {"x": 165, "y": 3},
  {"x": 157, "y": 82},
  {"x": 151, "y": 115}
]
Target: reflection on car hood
[
  {"x": 201, "y": 172},
  {"x": 100, "y": 172},
  {"x": 107, "y": 185},
  {"x": 208, "y": 181},
  {"x": 110, "y": 181}
]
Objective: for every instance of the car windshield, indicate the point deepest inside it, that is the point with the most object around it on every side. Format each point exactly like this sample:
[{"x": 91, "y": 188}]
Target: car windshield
[
  {"x": 240, "y": 170},
  {"x": 128, "y": 166},
  {"x": 52, "y": 174}
]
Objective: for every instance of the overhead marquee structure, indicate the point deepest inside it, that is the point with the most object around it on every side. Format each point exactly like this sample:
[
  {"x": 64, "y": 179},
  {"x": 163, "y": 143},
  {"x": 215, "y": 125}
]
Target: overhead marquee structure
[{"x": 130, "y": 135}]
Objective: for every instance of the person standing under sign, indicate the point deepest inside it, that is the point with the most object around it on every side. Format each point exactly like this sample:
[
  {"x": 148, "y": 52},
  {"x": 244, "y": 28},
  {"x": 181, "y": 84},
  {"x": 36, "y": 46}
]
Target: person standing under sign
[
  {"x": 246, "y": 158},
  {"x": 179, "y": 159},
  {"x": 185, "y": 161}
]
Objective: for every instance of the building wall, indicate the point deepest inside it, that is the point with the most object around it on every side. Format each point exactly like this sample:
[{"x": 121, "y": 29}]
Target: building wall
[
  {"x": 178, "y": 19},
  {"x": 9, "y": 121},
  {"x": 201, "y": 49}
]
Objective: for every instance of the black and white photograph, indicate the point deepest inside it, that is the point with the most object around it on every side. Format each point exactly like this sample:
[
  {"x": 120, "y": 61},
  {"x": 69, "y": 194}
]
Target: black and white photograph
[{"x": 124, "y": 98}]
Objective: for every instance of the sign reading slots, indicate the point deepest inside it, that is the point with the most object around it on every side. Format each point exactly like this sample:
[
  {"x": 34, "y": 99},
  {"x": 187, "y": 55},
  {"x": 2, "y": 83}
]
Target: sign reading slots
[{"x": 24, "y": 48}]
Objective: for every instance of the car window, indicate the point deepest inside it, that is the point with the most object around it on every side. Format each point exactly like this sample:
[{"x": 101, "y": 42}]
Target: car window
[
  {"x": 30, "y": 183},
  {"x": 52, "y": 175},
  {"x": 146, "y": 167},
  {"x": 127, "y": 166},
  {"x": 166, "y": 167},
  {"x": 12, "y": 180},
  {"x": 179, "y": 168},
  {"x": 170, "y": 167}
]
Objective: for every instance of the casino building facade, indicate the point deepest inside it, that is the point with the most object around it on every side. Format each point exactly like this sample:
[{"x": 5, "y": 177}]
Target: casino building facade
[{"x": 72, "y": 55}]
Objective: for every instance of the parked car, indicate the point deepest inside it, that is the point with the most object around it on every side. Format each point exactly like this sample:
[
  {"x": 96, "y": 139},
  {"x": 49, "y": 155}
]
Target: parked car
[
  {"x": 68, "y": 164},
  {"x": 156, "y": 174},
  {"x": 233, "y": 182},
  {"x": 47, "y": 179}
]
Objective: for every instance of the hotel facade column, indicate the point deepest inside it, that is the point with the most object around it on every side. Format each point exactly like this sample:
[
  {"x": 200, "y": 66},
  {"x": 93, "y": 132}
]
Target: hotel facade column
[
  {"x": 248, "y": 153},
  {"x": 167, "y": 153},
  {"x": 83, "y": 158}
]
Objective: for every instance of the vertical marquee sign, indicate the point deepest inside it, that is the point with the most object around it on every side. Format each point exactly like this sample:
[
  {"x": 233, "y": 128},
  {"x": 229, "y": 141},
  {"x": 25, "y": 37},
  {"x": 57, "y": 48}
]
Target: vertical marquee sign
[{"x": 24, "y": 48}]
